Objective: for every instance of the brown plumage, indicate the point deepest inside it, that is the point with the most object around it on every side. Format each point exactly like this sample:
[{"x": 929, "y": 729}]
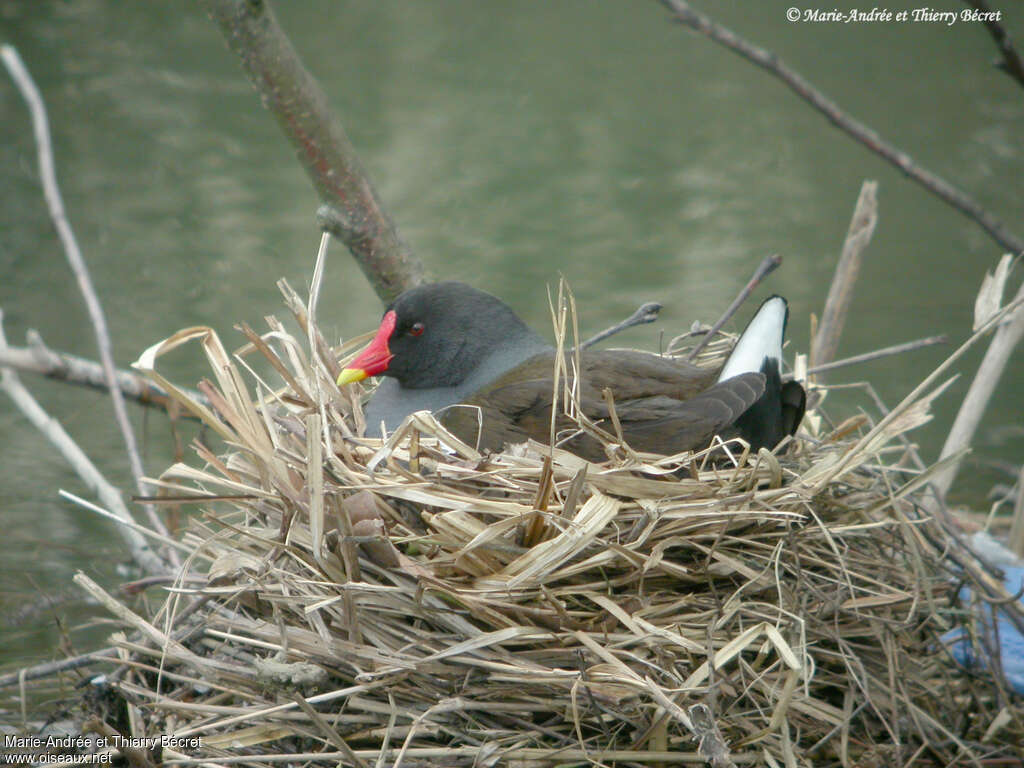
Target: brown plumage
[
  {"x": 663, "y": 406},
  {"x": 445, "y": 346}
]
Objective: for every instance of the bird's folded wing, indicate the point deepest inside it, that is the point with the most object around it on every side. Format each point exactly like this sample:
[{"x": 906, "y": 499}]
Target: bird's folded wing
[
  {"x": 664, "y": 425},
  {"x": 514, "y": 412},
  {"x": 634, "y": 374},
  {"x": 502, "y": 414}
]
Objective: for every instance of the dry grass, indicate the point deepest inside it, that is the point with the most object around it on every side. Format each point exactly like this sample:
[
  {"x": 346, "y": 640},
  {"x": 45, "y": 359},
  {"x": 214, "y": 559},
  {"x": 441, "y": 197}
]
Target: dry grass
[{"x": 414, "y": 602}]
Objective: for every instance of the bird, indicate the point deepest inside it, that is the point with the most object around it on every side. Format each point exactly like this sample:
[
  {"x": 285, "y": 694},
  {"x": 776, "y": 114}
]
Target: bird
[{"x": 464, "y": 354}]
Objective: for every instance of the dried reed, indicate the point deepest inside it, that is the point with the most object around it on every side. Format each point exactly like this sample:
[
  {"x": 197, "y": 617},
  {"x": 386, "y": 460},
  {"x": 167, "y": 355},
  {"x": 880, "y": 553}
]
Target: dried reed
[{"x": 415, "y": 602}]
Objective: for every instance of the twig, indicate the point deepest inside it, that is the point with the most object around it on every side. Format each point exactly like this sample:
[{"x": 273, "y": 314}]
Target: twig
[
  {"x": 895, "y": 349},
  {"x": 164, "y": 641},
  {"x": 1006, "y": 337},
  {"x": 352, "y": 211},
  {"x": 108, "y": 494},
  {"x": 135, "y": 757},
  {"x": 327, "y": 732},
  {"x": 866, "y": 136},
  {"x": 840, "y": 293},
  {"x": 986, "y": 577},
  {"x": 1011, "y": 63},
  {"x": 766, "y": 267},
  {"x": 109, "y": 654},
  {"x": 53, "y": 667},
  {"x": 1016, "y": 542},
  {"x": 316, "y": 422},
  {"x": 51, "y": 191},
  {"x": 60, "y": 366},
  {"x": 120, "y": 520},
  {"x": 645, "y": 313},
  {"x": 929, "y": 381}
]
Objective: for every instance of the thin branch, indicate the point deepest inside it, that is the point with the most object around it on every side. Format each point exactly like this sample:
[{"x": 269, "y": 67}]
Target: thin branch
[
  {"x": 84, "y": 468},
  {"x": 1006, "y": 338},
  {"x": 645, "y": 313},
  {"x": 768, "y": 265},
  {"x": 60, "y": 366},
  {"x": 865, "y": 135},
  {"x": 928, "y": 383},
  {"x": 55, "y": 667},
  {"x": 1016, "y": 542},
  {"x": 911, "y": 448},
  {"x": 840, "y": 292},
  {"x": 1011, "y": 63},
  {"x": 55, "y": 204},
  {"x": 895, "y": 349},
  {"x": 352, "y": 210},
  {"x": 110, "y": 654}
]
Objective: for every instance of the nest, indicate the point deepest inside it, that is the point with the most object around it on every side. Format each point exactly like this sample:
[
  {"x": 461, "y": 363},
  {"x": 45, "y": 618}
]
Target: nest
[{"x": 414, "y": 602}]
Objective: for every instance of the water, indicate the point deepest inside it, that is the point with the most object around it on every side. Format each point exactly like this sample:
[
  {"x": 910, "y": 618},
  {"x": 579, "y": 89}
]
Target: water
[{"x": 513, "y": 142}]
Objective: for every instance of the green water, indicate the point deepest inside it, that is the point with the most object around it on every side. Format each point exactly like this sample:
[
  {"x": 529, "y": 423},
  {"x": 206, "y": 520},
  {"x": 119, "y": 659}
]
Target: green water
[{"x": 513, "y": 142}]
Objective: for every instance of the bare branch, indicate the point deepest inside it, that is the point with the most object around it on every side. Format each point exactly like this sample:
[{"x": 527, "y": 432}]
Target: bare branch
[
  {"x": 60, "y": 366},
  {"x": 1011, "y": 63},
  {"x": 1006, "y": 338},
  {"x": 51, "y": 191},
  {"x": 1016, "y": 542},
  {"x": 86, "y": 470},
  {"x": 865, "y": 135},
  {"x": 352, "y": 211},
  {"x": 645, "y": 313},
  {"x": 840, "y": 293},
  {"x": 767, "y": 266},
  {"x": 55, "y": 667},
  {"x": 932, "y": 379},
  {"x": 895, "y": 349}
]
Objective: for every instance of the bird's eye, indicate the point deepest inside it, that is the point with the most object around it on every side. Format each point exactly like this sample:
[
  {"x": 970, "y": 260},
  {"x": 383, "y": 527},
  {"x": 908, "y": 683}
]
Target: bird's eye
[{"x": 416, "y": 329}]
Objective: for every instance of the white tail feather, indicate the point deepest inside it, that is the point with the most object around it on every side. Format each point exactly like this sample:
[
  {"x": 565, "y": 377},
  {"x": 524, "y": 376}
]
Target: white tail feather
[{"x": 762, "y": 339}]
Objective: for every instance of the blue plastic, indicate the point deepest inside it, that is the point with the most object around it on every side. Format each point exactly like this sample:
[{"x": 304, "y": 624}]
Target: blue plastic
[{"x": 1011, "y": 642}]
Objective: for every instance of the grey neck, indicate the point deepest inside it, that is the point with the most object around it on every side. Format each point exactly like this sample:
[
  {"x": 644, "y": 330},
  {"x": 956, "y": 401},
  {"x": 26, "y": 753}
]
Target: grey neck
[{"x": 391, "y": 402}]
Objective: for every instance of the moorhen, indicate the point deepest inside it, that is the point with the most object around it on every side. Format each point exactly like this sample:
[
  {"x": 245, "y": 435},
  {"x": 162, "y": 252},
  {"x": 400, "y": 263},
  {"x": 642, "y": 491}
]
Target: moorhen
[{"x": 444, "y": 344}]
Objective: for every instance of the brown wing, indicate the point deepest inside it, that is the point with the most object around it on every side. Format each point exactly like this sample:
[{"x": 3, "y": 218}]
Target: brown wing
[
  {"x": 514, "y": 408},
  {"x": 663, "y": 425},
  {"x": 511, "y": 410},
  {"x": 632, "y": 375}
]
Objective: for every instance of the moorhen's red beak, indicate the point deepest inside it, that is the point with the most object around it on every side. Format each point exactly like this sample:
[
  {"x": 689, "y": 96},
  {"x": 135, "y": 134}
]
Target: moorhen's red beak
[{"x": 373, "y": 360}]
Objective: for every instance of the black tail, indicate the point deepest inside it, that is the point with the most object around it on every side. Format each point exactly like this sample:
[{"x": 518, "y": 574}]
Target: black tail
[{"x": 779, "y": 411}]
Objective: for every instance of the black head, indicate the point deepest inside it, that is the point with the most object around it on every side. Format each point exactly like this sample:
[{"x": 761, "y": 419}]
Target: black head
[{"x": 436, "y": 335}]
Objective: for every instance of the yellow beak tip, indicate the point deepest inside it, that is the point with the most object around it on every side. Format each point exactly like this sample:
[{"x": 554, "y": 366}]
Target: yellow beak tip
[{"x": 349, "y": 375}]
